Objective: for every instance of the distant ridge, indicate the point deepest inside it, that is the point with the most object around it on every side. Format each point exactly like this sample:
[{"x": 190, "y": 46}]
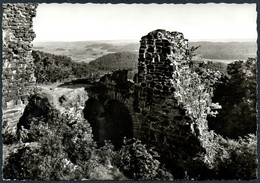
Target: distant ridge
[
  {"x": 89, "y": 50},
  {"x": 223, "y": 40}
]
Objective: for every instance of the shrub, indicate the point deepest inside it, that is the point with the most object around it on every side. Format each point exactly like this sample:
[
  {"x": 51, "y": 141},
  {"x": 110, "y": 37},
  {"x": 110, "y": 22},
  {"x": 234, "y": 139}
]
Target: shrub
[
  {"x": 140, "y": 162},
  {"x": 194, "y": 93},
  {"x": 44, "y": 159},
  {"x": 49, "y": 156},
  {"x": 64, "y": 150},
  {"x": 60, "y": 147},
  {"x": 241, "y": 162},
  {"x": 101, "y": 165},
  {"x": 237, "y": 96},
  {"x": 8, "y": 136}
]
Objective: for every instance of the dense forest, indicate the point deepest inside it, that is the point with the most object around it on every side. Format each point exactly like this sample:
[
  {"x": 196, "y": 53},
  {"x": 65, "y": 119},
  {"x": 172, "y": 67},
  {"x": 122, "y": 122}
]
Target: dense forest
[
  {"x": 51, "y": 68},
  {"x": 236, "y": 93},
  {"x": 54, "y": 68}
]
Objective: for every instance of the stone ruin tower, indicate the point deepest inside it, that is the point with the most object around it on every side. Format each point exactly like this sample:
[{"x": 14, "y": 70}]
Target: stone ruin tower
[{"x": 157, "y": 51}]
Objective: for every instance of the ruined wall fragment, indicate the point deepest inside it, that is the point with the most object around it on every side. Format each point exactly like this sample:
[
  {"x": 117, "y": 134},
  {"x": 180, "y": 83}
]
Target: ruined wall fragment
[
  {"x": 18, "y": 70},
  {"x": 155, "y": 68}
]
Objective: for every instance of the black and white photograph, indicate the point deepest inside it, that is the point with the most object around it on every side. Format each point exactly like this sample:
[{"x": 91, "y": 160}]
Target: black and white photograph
[{"x": 129, "y": 91}]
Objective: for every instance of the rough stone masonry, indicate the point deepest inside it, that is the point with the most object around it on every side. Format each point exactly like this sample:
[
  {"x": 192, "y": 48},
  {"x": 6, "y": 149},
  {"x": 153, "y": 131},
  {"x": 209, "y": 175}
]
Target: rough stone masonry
[
  {"x": 18, "y": 70},
  {"x": 155, "y": 67}
]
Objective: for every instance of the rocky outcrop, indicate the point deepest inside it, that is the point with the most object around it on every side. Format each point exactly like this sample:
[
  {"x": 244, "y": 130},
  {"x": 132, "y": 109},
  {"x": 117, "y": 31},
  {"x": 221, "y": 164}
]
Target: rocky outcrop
[{"x": 47, "y": 101}]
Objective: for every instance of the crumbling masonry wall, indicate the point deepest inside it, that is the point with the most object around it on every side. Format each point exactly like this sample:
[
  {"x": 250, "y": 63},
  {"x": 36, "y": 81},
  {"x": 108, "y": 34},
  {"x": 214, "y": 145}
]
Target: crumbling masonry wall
[
  {"x": 158, "y": 119},
  {"x": 18, "y": 73},
  {"x": 155, "y": 67},
  {"x": 161, "y": 121}
]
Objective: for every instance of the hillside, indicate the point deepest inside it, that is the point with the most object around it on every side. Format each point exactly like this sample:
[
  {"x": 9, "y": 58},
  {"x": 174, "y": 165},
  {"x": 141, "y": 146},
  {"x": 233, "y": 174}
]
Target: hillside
[
  {"x": 86, "y": 51},
  {"x": 225, "y": 51},
  {"x": 54, "y": 68},
  {"x": 51, "y": 68},
  {"x": 131, "y": 47},
  {"x": 75, "y": 50},
  {"x": 115, "y": 61}
]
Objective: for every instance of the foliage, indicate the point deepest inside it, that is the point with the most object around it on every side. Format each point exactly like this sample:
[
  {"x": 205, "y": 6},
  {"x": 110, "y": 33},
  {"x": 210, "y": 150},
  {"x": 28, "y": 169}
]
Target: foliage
[
  {"x": 51, "y": 68},
  {"x": 54, "y": 140},
  {"x": 8, "y": 136},
  {"x": 61, "y": 147},
  {"x": 194, "y": 93},
  {"x": 238, "y": 159},
  {"x": 200, "y": 66},
  {"x": 140, "y": 162},
  {"x": 115, "y": 61},
  {"x": 41, "y": 159},
  {"x": 101, "y": 165},
  {"x": 237, "y": 95},
  {"x": 233, "y": 160}
]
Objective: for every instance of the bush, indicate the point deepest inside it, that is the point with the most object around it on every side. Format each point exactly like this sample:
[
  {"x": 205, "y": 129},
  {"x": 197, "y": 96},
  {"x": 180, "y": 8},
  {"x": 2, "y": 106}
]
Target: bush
[
  {"x": 61, "y": 147},
  {"x": 141, "y": 163},
  {"x": 237, "y": 96},
  {"x": 194, "y": 91},
  {"x": 241, "y": 162},
  {"x": 101, "y": 165},
  {"x": 8, "y": 136},
  {"x": 49, "y": 156},
  {"x": 41, "y": 159}
]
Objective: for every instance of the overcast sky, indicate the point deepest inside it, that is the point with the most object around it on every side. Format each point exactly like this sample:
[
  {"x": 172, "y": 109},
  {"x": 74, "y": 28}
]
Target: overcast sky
[{"x": 81, "y": 22}]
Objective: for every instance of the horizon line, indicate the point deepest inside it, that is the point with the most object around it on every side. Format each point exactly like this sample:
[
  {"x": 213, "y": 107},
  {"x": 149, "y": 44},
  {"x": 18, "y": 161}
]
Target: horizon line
[{"x": 134, "y": 40}]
